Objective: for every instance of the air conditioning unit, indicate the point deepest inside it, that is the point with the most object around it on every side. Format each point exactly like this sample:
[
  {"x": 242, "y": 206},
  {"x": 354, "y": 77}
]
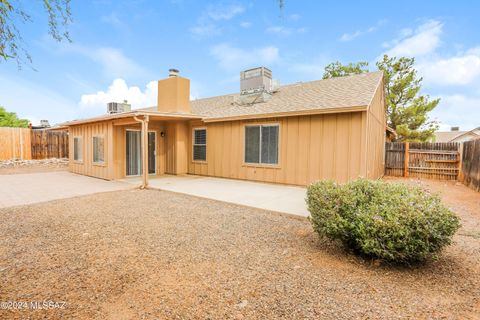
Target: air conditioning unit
[
  {"x": 257, "y": 79},
  {"x": 118, "y": 107},
  {"x": 256, "y": 86}
]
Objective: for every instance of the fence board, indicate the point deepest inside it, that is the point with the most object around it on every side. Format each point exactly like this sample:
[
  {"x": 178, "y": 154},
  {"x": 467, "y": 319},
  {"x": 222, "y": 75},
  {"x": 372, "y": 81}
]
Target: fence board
[
  {"x": 471, "y": 164},
  {"x": 425, "y": 160},
  {"x": 15, "y": 143},
  {"x": 49, "y": 144},
  {"x": 394, "y": 158}
]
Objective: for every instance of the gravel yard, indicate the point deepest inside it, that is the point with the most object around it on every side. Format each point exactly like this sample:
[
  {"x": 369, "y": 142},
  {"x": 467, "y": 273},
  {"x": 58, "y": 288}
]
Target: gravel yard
[{"x": 154, "y": 254}]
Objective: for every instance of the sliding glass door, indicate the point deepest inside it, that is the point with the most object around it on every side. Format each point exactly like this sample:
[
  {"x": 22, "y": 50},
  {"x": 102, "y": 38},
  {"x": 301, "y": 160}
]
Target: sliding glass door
[
  {"x": 152, "y": 142},
  {"x": 134, "y": 152}
]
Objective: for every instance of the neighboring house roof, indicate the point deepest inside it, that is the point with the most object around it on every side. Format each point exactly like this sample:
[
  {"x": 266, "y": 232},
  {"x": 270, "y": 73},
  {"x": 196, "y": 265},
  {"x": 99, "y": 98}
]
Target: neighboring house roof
[
  {"x": 336, "y": 94},
  {"x": 447, "y": 136},
  {"x": 454, "y": 136},
  {"x": 342, "y": 94},
  {"x": 391, "y": 133}
]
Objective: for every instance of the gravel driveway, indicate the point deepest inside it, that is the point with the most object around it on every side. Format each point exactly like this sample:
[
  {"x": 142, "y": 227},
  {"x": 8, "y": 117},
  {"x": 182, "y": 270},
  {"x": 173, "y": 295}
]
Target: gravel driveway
[{"x": 154, "y": 254}]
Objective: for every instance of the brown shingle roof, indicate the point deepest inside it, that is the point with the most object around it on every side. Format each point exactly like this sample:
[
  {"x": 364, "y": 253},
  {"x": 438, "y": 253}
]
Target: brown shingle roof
[{"x": 347, "y": 93}]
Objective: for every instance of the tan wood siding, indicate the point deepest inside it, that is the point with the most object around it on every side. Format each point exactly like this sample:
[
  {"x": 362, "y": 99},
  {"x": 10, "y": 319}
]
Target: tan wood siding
[
  {"x": 376, "y": 126},
  {"x": 115, "y": 156},
  {"x": 177, "y": 134},
  {"x": 86, "y": 166},
  {"x": 311, "y": 148}
]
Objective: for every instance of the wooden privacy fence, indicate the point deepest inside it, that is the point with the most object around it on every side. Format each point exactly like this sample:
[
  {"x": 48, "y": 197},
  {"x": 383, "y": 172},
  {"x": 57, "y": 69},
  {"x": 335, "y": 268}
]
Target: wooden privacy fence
[
  {"x": 49, "y": 144},
  {"x": 470, "y": 174},
  {"x": 439, "y": 161},
  {"x": 15, "y": 143},
  {"x": 27, "y": 144}
]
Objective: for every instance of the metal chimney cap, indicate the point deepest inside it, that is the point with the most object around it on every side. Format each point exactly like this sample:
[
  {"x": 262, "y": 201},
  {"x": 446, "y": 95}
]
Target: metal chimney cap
[{"x": 173, "y": 72}]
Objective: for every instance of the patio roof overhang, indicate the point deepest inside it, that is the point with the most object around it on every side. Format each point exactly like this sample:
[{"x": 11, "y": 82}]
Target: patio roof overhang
[{"x": 128, "y": 117}]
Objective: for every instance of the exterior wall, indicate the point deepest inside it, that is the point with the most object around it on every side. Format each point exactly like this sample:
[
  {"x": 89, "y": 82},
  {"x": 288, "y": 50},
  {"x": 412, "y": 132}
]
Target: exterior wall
[
  {"x": 315, "y": 147},
  {"x": 120, "y": 147},
  {"x": 171, "y": 150},
  {"x": 376, "y": 132},
  {"x": 177, "y": 147},
  {"x": 86, "y": 166}
]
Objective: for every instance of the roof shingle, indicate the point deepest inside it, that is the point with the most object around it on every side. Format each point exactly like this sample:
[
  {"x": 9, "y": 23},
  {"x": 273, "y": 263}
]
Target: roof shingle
[{"x": 336, "y": 93}]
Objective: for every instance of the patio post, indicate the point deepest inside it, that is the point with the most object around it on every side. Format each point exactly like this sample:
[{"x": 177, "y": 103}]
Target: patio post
[{"x": 145, "y": 152}]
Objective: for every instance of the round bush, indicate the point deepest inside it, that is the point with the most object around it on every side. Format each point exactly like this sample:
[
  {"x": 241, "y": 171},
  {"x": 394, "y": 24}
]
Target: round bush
[{"x": 389, "y": 221}]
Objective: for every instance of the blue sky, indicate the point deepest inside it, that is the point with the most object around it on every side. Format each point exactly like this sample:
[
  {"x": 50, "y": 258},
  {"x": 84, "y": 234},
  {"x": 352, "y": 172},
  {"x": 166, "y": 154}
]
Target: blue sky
[{"x": 120, "y": 48}]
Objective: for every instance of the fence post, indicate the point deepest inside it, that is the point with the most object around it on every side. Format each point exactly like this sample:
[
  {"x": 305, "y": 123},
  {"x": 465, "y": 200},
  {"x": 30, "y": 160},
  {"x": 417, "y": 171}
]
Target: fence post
[
  {"x": 460, "y": 176},
  {"x": 405, "y": 164}
]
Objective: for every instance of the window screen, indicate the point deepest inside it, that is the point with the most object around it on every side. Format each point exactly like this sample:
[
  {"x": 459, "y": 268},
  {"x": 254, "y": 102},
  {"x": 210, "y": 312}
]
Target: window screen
[
  {"x": 77, "y": 149},
  {"x": 261, "y": 144},
  {"x": 269, "y": 145},
  {"x": 98, "y": 149},
  {"x": 252, "y": 144},
  {"x": 200, "y": 144}
]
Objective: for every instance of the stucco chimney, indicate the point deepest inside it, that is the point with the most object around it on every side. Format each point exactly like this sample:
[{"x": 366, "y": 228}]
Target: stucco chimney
[{"x": 174, "y": 93}]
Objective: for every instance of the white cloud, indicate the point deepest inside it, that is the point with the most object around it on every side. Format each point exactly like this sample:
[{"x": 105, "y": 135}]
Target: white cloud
[
  {"x": 233, "y": 58},
  {"x": 350, "y": 36},
  {"x": 207, "y": 23},
  {"x": 115, "y": 63},
  {"x": 279, "y": 30},
  {"x": 112, "y": 61},
  {"x": 453, "y": 78},
  {"x": 115, "y": 21},
  {"x": 119, "y": 91},
  {"x": 462, "y": 69},
  {"x": 224, "y": 12},
  {"x": 294, "y": 17},
  {"x": 245, "y": 24},
  {"x": 457, "y": 110},
  {"x": 424, "y": 40},
  {"x": 284, "y": 31},
  {"x": 311, "y": 70},
  {"x": 205, "y": 29}
]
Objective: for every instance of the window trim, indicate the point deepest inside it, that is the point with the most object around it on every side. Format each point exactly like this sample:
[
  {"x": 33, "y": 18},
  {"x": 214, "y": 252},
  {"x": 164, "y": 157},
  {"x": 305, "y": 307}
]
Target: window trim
[
  {"x": 260, "y": 164},
  {"x": 99, "y": 163},
  {"x": 194, "y": 144},
  {"x": 82, "y": 149}
]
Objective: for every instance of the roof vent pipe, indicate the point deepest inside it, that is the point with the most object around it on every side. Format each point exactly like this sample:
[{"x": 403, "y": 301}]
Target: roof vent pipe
[{"x": 173, "y": 72}]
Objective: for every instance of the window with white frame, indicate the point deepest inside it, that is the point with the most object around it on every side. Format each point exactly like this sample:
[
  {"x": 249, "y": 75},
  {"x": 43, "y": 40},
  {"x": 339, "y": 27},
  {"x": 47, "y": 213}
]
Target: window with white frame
[
  {"x": 98, "y": 150},
  {"x": 77, "y": 149},
  {"x": 261, "y": 144},
  {"x": 199, "y": 144}
]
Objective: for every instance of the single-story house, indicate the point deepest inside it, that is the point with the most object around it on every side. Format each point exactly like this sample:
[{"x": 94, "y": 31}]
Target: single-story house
[
  {"x": 455, "y": 135},
  {"x": 291, "y": 134}
]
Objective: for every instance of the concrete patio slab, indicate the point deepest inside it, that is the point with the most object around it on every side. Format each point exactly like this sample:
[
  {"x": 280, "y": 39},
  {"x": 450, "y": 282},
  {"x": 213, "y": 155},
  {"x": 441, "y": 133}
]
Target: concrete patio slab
[
  {"x": 22, "y": 189},
  {"x": 275, "y": 197}
]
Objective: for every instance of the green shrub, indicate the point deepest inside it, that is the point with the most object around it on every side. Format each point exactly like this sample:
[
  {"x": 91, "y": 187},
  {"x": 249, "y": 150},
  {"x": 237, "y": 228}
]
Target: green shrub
[{"x": 388, "y": 221}]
